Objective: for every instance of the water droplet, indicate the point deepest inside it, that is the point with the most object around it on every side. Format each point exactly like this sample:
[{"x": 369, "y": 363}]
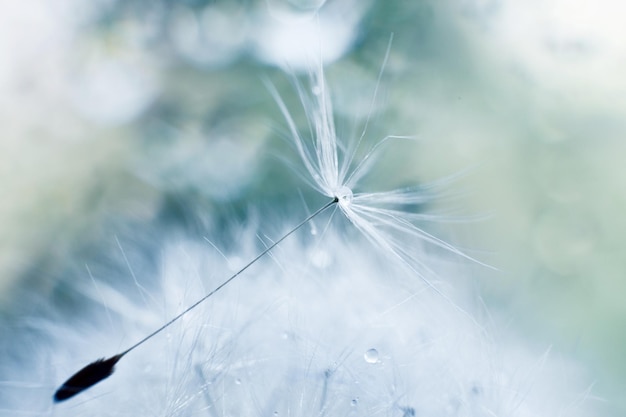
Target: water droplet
[
  {"x": 354, "y": 402},
  {"x": 371, "y": 356},
  {"x": 238, "y": 381},
  {"x": 316, "y": 90},
  {"x": 344, "y": 194},
  {"x": 275, "y": 413}
]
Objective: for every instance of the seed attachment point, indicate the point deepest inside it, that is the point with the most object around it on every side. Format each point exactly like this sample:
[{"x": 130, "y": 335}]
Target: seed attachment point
[{"x": 344, "y": 196}]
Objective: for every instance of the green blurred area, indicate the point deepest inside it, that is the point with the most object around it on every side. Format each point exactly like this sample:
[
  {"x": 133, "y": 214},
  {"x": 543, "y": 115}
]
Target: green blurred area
[{"x": 542, "y": 138}]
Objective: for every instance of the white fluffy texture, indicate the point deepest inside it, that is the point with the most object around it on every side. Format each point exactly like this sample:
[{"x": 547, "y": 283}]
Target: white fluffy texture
[
  {"x": 293, "y": 336},
  {"x": 388, "y": 219},
  {"x": 327, "y": 327}
]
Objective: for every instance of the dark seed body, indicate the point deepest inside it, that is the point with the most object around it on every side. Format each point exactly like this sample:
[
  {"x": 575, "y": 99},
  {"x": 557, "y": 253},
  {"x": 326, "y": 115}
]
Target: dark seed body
[{"x": 86, "y": 377}]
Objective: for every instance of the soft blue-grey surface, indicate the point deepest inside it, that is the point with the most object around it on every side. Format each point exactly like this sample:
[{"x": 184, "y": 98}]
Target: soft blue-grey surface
[{"x": 124, "y": 122}]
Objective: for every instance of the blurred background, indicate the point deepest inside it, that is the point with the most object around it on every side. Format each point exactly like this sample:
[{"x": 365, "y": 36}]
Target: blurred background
[{"x": 121, "y": 118}]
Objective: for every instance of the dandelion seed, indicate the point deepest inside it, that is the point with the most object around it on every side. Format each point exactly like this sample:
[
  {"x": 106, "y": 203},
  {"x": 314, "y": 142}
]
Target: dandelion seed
[{"x": 335, "y": 173}]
